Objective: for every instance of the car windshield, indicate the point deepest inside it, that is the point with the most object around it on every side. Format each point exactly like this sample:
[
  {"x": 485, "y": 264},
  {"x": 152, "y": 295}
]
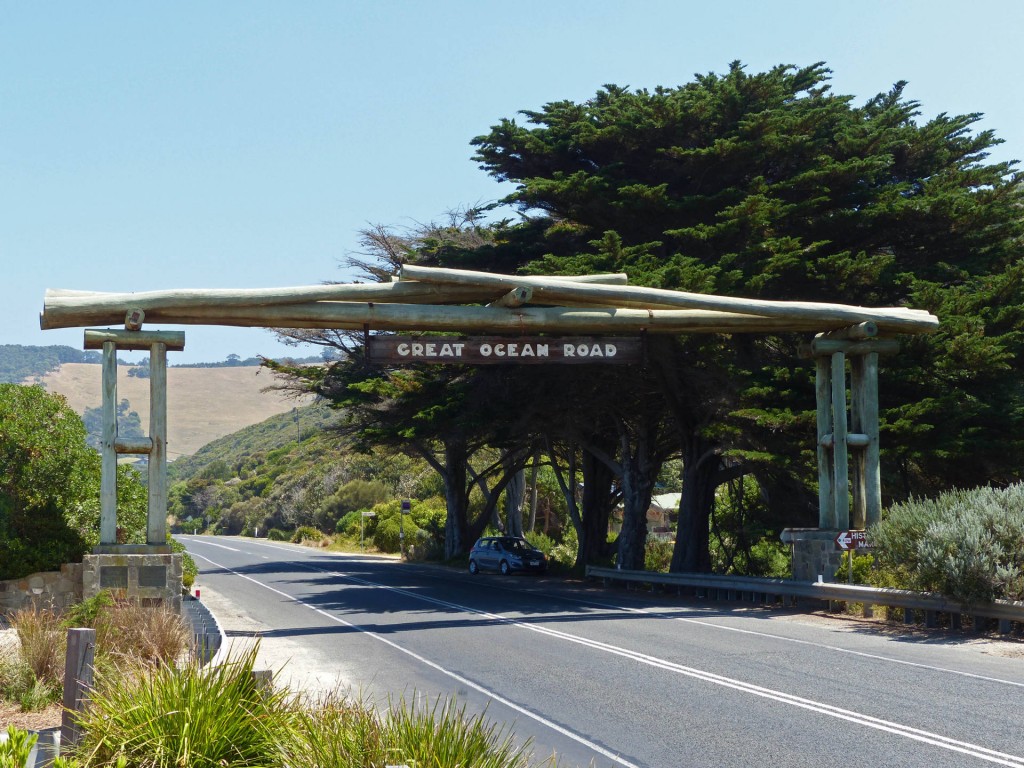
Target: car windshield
[{"x": 515, "y": 545}]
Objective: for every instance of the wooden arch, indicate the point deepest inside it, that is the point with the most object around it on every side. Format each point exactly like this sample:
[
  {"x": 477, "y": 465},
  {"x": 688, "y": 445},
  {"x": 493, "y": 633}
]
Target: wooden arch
[{"x": 448, "y": 300}]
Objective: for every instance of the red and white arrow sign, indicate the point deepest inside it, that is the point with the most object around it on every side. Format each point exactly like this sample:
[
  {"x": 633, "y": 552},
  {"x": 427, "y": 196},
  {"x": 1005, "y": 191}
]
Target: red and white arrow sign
[{"x": 852, "y": 540}]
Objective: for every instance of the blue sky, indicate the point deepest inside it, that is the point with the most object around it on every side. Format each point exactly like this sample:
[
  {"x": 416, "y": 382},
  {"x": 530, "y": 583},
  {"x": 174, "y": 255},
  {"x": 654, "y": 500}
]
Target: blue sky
[{"x": 154, "y": 145}]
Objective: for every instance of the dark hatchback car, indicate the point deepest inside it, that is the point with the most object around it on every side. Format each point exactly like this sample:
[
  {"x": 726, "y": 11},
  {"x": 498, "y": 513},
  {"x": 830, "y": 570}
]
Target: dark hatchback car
[{"x": 506, "y": 554}]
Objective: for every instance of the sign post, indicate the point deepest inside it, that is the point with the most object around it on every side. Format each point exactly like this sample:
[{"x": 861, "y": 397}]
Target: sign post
[
  {"x": 849, "y": 541},
  {"x": 406, "y": 509}
]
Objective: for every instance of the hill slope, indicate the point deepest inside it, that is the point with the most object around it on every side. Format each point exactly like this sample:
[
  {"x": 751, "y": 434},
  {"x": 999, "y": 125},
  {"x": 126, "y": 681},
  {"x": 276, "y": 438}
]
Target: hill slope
[{"x": 203, "y": 404}]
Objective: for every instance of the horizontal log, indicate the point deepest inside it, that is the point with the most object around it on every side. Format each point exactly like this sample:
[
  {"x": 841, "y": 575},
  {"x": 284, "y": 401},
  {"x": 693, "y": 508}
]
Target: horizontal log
[
  {"x": 61, "y": 302},
  {"x": 469, "y": 319},
  {"x": 823, "y": 346},
  {"x": 853, "y": 439},
  {"x": 133, "y": 445},
  {"x": 611, "y": 278},
  {"x": 866, "y": 330},
  {"x": 545, "y": 288},
  {"x": 95, "y": 338}
]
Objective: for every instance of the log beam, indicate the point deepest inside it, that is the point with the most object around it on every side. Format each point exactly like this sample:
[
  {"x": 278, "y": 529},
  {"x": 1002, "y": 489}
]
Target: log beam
[
  {"x": 467, "y": 319},
  {"x": 546, "y": 288}
]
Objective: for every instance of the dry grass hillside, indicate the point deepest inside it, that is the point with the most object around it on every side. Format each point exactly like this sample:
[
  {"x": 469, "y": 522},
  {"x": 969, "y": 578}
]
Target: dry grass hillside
[{"x": 202, "y": 403}]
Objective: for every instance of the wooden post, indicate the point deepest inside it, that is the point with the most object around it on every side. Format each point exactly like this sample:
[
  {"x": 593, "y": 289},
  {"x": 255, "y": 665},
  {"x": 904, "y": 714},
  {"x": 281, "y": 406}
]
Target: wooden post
[
  {"x": 156, "y": 527},
  {"x": 108, "y": 471},
  {"x": 823, "y": 395},
  {"x": 841, "y": 471},
  {"x": 872, "y": 464},
  {"x": 78, "y": 680},
  {"x": 858, "y": 485}
]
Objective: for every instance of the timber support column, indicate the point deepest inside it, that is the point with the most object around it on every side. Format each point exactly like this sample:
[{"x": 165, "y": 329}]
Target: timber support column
[
  {"x": 147, "y": 572},
  {"x": 847, "y": 432}
]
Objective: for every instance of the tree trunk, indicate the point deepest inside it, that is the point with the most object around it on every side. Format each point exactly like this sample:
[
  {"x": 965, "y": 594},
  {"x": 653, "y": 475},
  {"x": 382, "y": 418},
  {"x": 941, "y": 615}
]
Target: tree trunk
[
  {"x": 700, "y": 469},
  {"x": 533, "y": 491},
  {"x": 456, "y": 499},
  {"x": 637, "y": 485},
  {"x": 515, "y": 493},
  {"x": 597, "y": 506}
]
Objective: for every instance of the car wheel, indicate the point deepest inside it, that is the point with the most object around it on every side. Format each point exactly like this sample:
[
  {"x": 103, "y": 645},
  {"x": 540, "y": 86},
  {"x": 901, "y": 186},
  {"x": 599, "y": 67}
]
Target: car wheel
[
  {"x": 506, "y": 569},
  {"x": 473, "y": 567}
]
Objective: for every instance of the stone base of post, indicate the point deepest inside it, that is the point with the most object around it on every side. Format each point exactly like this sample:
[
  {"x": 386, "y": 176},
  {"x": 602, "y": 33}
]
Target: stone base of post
[
  {"x": 151, "y": 577},
  {"x": 814, "y": 553}
]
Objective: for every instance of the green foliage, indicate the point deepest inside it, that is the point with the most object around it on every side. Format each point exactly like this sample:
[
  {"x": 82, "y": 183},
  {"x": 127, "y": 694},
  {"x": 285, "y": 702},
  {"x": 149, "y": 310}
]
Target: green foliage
[
  {"x": 193, "y": 716},
  {"x": 189, "y": 570},
  {"x": 740, "y": 542},
  {"x": 14, "y": 752},
  {"x": 564, "y": 553},
  {"x": 85, "y": 613},
  {"x": 968, "y": 545},
  {"x": 16, "y": 680},
  {"x": 353, "y": 495},
  {"x": 247, "y": 448},
  {"x": 658, "y": 555},
  {"x": 306, "y": 533},
  {"x": 442, "y": 734},
  {"x": 540, "y": 541},
  {"x": 386, "y": 536},
  {"x": 863, "y": 566},
  {"x": 129, "y": 424},
  {"x": 769, "y": 185},
  {"x": 49, "y": 485},
  {"x": 276, "y": 534}
]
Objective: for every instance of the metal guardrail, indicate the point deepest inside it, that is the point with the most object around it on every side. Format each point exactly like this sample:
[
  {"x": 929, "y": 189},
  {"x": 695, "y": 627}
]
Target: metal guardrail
[
  {"x": 207, "y": 636},
  {"x": 1007, "y": 612}
]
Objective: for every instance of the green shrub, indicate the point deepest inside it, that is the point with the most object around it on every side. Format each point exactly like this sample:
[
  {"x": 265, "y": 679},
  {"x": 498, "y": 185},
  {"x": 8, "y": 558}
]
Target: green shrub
[
  {"x": 967, "y": 545},
  {"x": 863, "y": 565},
  {"x": 189, "y": 570},
  {"x": 87, "y": 612},
  {"x": 15, "y": 750},
  {"x": 658, "y": 555},
  {"x": 564, "y": 553},
  {"x": 442, "y": 735},
  {"x": 276, "y": 534},
  {"x": 306, "y": 533},
  {"x": 16, "y": 678},
  {"x": 771, "y": 559},
  {"x": 194, "y": 716},
  {"x": 540, "y": 541},
  {"x": 386, "y": 536}
]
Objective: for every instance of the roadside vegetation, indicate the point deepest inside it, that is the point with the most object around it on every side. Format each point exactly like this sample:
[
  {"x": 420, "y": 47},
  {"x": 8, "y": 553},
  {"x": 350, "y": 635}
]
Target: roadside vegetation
[
  {"x": 154, "y": 705},
  {"x": 967, "y": 545}
]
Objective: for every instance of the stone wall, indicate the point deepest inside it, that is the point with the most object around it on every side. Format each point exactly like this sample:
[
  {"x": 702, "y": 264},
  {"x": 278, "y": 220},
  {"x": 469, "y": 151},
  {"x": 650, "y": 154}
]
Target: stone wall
[
  {"x": 53, "y": 589},
  {"x": 151, "y": 577},
  {"x": 814, "y": 553}
]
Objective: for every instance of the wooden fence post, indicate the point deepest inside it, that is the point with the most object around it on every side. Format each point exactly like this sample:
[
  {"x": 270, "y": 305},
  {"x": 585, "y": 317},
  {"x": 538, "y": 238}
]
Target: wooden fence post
[{"x": 78, "y": 681}]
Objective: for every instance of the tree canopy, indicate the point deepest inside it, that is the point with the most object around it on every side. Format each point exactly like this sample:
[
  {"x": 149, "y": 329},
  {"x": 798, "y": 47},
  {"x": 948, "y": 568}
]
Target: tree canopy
[
  {"x": 764, "y": 185},
  {"x": 50, "y": 485}
]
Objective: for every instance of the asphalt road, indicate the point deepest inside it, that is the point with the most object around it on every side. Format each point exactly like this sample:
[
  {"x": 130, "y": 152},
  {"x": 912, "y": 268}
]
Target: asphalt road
[{"x": 610, "y": 678}]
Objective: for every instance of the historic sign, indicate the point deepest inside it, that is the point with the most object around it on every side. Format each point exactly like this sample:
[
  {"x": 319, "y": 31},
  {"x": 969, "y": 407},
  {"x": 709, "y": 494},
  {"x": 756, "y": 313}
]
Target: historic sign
[
  {"x": 852, "y": 540},
  {"x": 492, "y": 350}
]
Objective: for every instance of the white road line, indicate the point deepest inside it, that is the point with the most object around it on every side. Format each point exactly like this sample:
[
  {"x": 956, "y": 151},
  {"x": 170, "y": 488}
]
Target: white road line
[
  {"x": 433, "y": 665},
  {"x": 944, "y": 742},
  {"x": 655, "y": 613},
  {"x": 222, "y": 546},
  {"x": 934, "y": 739}
]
